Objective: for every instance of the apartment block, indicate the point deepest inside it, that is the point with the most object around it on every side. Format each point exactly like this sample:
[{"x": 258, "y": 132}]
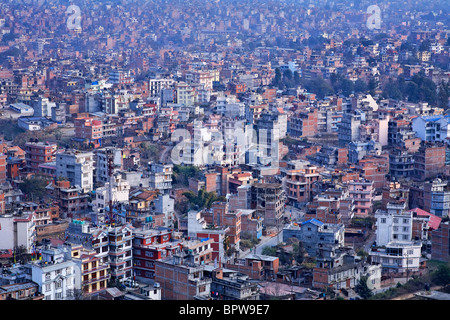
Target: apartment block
[
  {"x": 77, "y": 167},
  {"x": 37, "y": 153},
  {"x": 268, "y": 199},
  {"x": 440, "y": 243},
  {"x": 182, "y": 279}
]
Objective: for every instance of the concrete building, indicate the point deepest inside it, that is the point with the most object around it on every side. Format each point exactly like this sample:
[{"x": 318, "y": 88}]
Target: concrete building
[
  {"x": 432, "y": 128},
  {"x": 394, "y": 224},
  {"x": 182, "y": 279},
  {"x": 268, "y": 199},
  {"x": 316, "y": 236},
  {"x": 161, "y": 177},
  {"x": 348, "y": 128},
  {"x": 77, "y": 167},
  {"x": 298, "y": 180},
  {"x": 37, "y": 153},
  {"x": 432, "y": 196},
  {"x": 303, "y": 123},
  {"x": 398, "y": 257},
  {"x": 56, "y": 274},
  {"x": 440, "y": 243},
  {"x": 362, "y": 193},
  {"x": 18, "y": 231},
  {"x": 429, "y": 160}
]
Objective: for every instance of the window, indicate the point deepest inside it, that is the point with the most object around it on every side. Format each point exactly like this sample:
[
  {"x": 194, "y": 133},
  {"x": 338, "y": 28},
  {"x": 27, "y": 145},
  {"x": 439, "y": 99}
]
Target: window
[{"x": 149, "y": 254}]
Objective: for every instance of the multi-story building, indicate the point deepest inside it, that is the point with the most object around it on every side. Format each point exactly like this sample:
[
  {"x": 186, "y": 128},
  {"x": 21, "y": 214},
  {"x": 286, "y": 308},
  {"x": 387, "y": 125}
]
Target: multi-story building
[
  {"x": 94, "y": 273},
  {"x": 182, "y": 279},
  {"x": 429, "y": 160},
  {"x": 433, "y": 197},
  {"x": 140, "y": 209},
  {"x": 117, "y": 191},
  {"x": 268, "y": 199},
  {"x": 77, "y": 167},
  {"x": 362, "y": 193},
  {"x": 348, "y": 128},
  {"x": 56, "y": 274},
  {"x": 72, "y": 201},
  {"x": 37, "y": 153},
  {"x": 198, "y": 228},
  {"x": 150, "y": 245},
  {"x": 400, "y": 134},
  {"x": 303, "y": 124},
  {"x": 88, "y": 130},
  {"x": 398, "y": 257},
  {"x": 104, "y": 157},
  {"x": 298, "y": 181},
  {"x": 220, "y": 215},
  {"x": 318, "y": 238},
  {"x": 161, "y": 177},
  {"x": 393, "y": 191},
  {"x": 401, "y": 163},
  {"x": 109, "y": 246},
  {"x": 440, "y": 242},
  {"x": 185, "y": 94},
  {"x": 156, "y": 85},
  {"x": 431, "y": 128},
  {"x": 18, "y": 231},
  {"x": 394, "y": 224},
  {"x": 120, "y": 239}
]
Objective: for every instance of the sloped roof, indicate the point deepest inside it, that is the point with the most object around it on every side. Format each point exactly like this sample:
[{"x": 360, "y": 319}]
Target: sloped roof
[{"x": 433, "y": 222}]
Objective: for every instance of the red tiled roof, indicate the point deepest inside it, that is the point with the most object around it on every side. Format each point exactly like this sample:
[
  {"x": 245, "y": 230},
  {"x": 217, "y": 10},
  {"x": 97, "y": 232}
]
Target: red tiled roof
[{"x": 434, "y": 221}]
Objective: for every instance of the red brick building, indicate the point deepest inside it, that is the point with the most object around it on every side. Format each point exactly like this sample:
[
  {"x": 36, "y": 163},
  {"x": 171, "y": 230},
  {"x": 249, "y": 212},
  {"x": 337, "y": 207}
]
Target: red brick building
[
  {"x": 429, "y": 160},
  {"x": 149, "y": 246},
  {"x": 440, "y": 242},
  {"x": 37, "y": 153}
]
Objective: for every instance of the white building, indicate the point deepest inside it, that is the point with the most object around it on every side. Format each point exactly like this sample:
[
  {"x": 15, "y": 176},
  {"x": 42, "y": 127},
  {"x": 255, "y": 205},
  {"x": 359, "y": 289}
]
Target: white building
[
  {"x": 56, "y": 274},
  {"x": 398, "y": 256},
  {"x": 432, "y": 128},
  {"x": 185, "y": 94},
  {"x": 101, "y": 162},
  {"x": 119, "y": 192},
  {"x": 161, "y": 177},
  {"x": 164, "y": 204},
  {"x": 17, "y": 231},
  {"x": 43, "y": 107},
  {"x": 77, "y": 167},
  {"x": 394, "y": 224},
  {"x": 155, "y": 86}
]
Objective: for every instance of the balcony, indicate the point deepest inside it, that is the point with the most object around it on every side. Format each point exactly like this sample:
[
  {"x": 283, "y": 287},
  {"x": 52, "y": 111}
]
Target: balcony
[{"x": 96, "y": 279}]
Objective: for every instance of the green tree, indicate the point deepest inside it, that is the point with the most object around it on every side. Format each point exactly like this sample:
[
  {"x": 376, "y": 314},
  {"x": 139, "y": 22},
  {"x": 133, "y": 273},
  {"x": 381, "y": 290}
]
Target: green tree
[
  {"x": 441, "y": 276},
  {"x": 269, "y": 251},
  {"x": 34, "y": 187},
  {"x": 443, "y": 95},
  {"x": 362, "y": 289},
  {"x": 202, "y": 199}
]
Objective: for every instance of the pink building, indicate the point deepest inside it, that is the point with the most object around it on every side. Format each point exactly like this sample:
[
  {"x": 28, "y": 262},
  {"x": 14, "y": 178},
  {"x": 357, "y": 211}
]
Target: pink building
[{"x": 362, "y": 193}]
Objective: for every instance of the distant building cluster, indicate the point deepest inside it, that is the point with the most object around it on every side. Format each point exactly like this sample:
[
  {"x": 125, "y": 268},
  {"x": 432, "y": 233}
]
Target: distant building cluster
[{"x": 159, "y": 150}]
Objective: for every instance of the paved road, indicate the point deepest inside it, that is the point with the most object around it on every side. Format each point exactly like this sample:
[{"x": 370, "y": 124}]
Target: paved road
[
  {"x": 265, "y": 241},
  {"x": 165, "y": 155}
]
